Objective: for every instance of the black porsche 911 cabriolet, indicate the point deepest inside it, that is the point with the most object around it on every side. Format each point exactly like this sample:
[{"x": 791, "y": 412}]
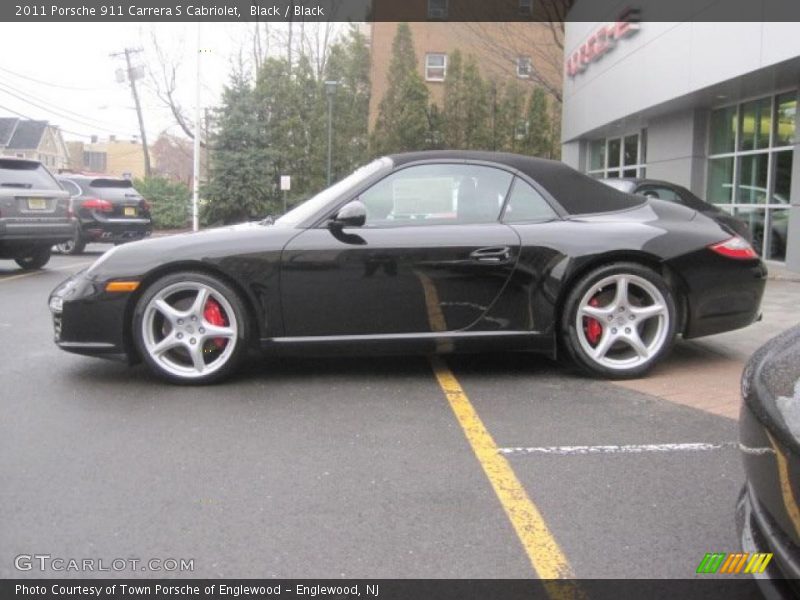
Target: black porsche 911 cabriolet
[{"x": 440, "y": 251}]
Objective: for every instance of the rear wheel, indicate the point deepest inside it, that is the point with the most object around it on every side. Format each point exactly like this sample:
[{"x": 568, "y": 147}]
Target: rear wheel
[
  {"x": 74, "y": 246},
  {"x": 38, "y": 258},
  {"x": 619, "y": 320},
  {"x": 190, "y": 328}
]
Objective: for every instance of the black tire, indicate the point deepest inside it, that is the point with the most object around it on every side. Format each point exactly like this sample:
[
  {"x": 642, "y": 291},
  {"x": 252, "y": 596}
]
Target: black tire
[
  {"x": 36, "y": 260},
  {"x": 74, "y": 246},
  {"x": 241, "y": 343},
  {"x": 575, "y": 342}
]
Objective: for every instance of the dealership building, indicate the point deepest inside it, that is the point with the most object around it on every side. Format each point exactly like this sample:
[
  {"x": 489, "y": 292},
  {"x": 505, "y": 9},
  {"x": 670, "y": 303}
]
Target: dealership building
[{"x": 710, "y": 106}]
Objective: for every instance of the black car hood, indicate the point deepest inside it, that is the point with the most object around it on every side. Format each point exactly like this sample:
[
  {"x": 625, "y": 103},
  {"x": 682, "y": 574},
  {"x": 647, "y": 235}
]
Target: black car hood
[
  {"x": 211, "y": 245},
  {"x": 771, "y": 386}
]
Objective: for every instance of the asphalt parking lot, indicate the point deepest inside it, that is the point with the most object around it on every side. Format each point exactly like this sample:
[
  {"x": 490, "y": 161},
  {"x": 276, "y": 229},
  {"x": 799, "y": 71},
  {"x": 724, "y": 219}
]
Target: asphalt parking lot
[{"x": 502, "y": 466}]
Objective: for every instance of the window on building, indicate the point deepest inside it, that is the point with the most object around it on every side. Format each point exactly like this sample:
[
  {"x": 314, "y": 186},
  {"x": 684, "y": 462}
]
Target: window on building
[
  {"x": 524, "y": 67},
  {"x": 618, "y": 157},
  {"x": 437, "y": 9},
  {"x": 435, "y": 66},
  {"x": 525, "y": 7},
  {"x": 750, "y": 166}
]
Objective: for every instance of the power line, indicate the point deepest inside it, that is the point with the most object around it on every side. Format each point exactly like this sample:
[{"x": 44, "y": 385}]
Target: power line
[
  {"x": 55, "y": 85},
  {"x": 94, "y": 122},
  {"x": 57, "y": 113},
  {"x": 19, "y": 114}
]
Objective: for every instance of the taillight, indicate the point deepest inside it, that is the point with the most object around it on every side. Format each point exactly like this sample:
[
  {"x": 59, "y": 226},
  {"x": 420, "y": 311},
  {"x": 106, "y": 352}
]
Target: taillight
[
  {"x": 736, "y": 247},
  {"x": 97, "y": 204},
  {"x": 146, "y": 205}
]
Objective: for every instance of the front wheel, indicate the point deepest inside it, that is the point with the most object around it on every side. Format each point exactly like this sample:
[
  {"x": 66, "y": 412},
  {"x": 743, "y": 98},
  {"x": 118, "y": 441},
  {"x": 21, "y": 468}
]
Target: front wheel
[
  {"x": 36, "y": 260},
  {"x": 619, "y": 320},
  {"x": 191, "y": 328}
]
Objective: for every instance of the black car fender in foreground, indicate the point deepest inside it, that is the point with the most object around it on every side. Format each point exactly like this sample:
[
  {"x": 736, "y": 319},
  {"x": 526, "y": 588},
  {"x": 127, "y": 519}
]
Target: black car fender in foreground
[
  {"x": 428, "y": 252},
  {"x": 768, "y": 511}
]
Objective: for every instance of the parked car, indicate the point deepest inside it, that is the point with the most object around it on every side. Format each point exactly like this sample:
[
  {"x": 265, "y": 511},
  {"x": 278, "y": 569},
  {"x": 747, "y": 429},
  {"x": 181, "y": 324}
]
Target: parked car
[
  {"x": 447, "y": 251},
  {"x": 663, "y": 190},
  {"x": 108, "y": 209},
  {"x": 768, "y": 513},
  {"x": 34, "y": 212}
]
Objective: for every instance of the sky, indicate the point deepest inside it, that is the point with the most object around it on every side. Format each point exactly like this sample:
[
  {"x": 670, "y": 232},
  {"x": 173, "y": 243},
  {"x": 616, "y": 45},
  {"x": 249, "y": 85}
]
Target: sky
[{"x": 63, "y": 73}]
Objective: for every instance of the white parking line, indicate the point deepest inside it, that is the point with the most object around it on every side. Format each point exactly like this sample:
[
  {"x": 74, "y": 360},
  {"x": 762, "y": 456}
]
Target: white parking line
[{"x": 631, "y": 449}]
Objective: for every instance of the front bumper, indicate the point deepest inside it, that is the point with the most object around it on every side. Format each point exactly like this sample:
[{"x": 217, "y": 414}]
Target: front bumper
[{"x": 90, "y": 321}]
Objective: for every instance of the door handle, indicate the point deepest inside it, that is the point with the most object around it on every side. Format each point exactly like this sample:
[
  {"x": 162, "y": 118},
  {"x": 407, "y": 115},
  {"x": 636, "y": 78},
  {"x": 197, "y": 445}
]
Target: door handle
[{"x": 492, "y": 254}]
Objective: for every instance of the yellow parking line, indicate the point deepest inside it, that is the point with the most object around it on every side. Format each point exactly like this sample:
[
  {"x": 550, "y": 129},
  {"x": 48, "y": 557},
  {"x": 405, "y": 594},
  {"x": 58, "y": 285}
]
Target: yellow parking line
[
  {"x": 39, "y": 272},
  {"x": 544, "y": 553}
]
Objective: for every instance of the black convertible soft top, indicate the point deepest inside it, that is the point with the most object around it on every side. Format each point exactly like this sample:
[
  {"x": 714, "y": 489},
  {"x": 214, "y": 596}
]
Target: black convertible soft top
[{"x": 577, "y": 193}]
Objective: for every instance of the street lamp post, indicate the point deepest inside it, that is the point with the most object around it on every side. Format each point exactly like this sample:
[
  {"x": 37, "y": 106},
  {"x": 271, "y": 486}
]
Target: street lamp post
[{"x": 330, "y": 89}]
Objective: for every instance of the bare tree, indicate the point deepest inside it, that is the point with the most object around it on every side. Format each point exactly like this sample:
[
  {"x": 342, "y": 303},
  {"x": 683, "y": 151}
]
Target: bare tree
[{"x": 163, "y": 82}]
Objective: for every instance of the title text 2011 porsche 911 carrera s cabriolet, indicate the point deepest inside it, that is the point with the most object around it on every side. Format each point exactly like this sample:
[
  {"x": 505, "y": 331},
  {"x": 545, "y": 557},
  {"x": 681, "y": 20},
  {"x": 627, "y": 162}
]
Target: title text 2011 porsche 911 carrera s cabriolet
[{"x": 441, "y": 251}]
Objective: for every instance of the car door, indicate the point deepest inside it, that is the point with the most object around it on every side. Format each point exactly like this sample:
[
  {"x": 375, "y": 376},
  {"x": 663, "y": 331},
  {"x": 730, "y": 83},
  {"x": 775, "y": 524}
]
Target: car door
[{"x": 432, "y": 256}]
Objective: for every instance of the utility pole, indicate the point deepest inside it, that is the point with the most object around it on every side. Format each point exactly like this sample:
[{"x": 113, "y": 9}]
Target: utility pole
[
  {"x": 132, "y": 77},
  {"x": 330, "y": 89},
  {"x": 197, "y": 133}
]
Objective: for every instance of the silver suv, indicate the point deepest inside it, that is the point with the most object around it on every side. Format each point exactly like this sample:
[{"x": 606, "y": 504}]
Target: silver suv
[{"x": 34, "y": 212}]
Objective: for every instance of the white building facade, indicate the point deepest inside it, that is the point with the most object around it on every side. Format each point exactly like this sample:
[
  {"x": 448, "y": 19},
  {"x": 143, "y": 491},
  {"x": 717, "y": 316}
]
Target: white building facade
[{"x": 711, "y": 106}]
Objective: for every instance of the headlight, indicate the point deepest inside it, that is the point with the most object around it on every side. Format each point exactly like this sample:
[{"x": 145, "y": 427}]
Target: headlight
[{"x": 56, "y": 304}]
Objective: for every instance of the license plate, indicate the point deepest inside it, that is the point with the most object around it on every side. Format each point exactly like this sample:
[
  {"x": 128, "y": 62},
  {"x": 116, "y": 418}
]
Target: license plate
[
  {"x": 37, "y": 204},
  {"x": 130, "y": 211}
]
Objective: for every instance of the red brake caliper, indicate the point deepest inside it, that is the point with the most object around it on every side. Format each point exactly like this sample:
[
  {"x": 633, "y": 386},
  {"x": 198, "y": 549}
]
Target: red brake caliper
[
  {"x": 592, "y": 327},
  {"x": 213, "y": 314}
]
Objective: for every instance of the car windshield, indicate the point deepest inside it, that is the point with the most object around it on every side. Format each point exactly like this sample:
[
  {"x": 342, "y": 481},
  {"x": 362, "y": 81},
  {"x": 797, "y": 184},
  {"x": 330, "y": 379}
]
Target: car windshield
[
  {"x": 623, "y": 185},
  {"x": 315, "y": 203}
]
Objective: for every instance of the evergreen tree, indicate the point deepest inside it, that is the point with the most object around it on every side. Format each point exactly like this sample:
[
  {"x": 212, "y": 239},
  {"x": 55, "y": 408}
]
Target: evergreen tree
[
  {"x": 537, "y": 140},
  {"x": 467, "y": 106},
  {"x": 348, "y": 64},
  {"x": 236, "y": 190},
  {"x": 403, "y": 120}
]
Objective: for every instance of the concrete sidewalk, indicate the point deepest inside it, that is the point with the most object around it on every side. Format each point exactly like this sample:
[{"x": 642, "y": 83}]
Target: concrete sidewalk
[{"x": 705, "y": 373}]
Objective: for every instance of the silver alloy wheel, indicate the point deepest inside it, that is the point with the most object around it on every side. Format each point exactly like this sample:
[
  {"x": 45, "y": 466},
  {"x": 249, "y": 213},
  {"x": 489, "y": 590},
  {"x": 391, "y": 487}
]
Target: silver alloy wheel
[
  {"x": 180, "y": 339},
  {"x": 634, "y": 319}
]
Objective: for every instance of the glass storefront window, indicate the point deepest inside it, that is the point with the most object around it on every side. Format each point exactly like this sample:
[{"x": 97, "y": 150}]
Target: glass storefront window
[
  {"x": 752, "y": 188},
  {"x": 776, "y": 231},
  {"x": 723, "y": 130},
  {"x": 755, "y": 124},
  {"x": 720, "y": 180},
  {"x": 630, "y": 150},
  {"x": 782, "y": 177},
  {"x": 785, "y": 119},
  {"x": 597, "y": 155},
  {"x": 617, "y": 157},
  {"x": 613, "y": 153},
  {"x": 752, "y": 177}
]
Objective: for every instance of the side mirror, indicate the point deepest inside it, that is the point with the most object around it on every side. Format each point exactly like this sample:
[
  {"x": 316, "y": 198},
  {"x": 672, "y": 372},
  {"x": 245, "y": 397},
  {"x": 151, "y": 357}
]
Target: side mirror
[{"x": 352, "y": 214}]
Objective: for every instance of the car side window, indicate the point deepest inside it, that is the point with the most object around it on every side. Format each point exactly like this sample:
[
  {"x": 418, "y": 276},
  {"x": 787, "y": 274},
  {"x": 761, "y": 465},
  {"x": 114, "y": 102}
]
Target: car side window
[
  {"x": 527, "y": 204},
  {"x": 437, "y": 194},
  {"x": 660, "y": 192}
]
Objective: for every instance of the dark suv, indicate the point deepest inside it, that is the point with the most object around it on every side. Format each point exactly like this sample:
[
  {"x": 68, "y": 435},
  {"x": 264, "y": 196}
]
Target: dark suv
[
  {"x": 109, "y": 210},
  {"x": 34, "y": 212}
]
